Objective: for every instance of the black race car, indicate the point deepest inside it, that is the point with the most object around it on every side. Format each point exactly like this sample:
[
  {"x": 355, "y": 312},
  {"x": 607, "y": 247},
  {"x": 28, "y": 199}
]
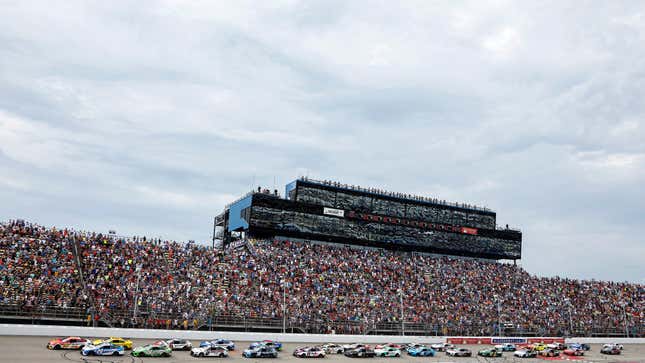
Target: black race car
[{"x": 360, "y": 353}]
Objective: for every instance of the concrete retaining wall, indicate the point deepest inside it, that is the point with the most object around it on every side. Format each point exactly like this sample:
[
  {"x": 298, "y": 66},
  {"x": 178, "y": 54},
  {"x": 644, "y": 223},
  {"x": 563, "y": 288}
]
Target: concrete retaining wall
[{"x": 60, "y": 331}]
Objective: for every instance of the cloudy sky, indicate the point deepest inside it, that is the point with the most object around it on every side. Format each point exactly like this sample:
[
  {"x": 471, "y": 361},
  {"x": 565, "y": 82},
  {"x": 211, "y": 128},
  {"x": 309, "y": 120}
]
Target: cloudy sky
[{"x": 147, "y": 117}]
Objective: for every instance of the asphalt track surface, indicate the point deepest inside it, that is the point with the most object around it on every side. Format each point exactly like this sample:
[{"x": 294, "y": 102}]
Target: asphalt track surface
[{"x": 32, "y": 349}]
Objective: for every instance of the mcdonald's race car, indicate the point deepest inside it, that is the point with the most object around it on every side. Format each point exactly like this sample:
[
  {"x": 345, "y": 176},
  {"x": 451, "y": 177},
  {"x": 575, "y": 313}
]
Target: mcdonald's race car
[
  {"x": 388, "y": 352},
  {"x": 309, "y": 352},
  {"x": 574, "y": 352},
  {"x": 549, "y": 353},
  {"x": 210, "y": 351},
  {"x": 152, "y": 350},
  {"x": 421, "y": 351},
  {"x": 490, "y": 352},
  {"x": 102, "y": 349},
  {"x": 68, "y": 343},
  {"x": 525, "y": 353},
  {"x": 119, "y": 342},
  {"x": 260, "y": 351}
]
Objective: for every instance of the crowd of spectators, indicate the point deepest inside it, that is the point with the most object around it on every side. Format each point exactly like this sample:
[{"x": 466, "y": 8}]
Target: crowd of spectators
[{"x": 321, "y": 287}]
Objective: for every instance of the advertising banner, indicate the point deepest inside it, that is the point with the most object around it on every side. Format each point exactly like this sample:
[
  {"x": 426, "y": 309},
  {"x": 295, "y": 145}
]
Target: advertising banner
[{"x": 334, "y": 212}]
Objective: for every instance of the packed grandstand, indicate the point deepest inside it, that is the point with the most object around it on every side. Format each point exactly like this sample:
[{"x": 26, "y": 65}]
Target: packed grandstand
[{"x": 91, "y": 278}]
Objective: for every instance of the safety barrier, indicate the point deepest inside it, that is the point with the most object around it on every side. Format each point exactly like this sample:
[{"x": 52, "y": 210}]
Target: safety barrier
[{"x": 57, "y": 331}]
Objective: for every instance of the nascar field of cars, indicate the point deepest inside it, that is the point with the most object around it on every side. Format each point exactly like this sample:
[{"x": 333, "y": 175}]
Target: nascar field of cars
[{"x": 220, "y": 348}]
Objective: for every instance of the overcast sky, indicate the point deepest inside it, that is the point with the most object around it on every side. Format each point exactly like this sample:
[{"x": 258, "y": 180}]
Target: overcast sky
[{"x": 147, "y": 117}]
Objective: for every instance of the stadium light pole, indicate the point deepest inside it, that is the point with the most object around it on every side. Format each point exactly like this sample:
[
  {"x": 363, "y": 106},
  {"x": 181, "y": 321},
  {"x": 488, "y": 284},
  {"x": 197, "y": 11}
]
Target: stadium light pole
[
  {"x": 136, "y": 294},
  {"x": 569, "y": 306},
  {"x": 623, "y": 304},
  {"x": 284, "y": 307},
  {"x": 499, "y": 315},
  {"x": 402, "y": 317}
]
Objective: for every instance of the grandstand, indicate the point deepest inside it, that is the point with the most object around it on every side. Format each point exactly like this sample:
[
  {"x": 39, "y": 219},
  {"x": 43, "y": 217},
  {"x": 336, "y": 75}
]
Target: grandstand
[
  {"x": 314, "y": 210},
  {"x": 61, "y": 276}
]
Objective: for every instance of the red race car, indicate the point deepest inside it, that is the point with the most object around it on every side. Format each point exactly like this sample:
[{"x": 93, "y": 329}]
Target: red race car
[
  {"x": 576, "y": 352},
  {"x": 68, "y": 343}
]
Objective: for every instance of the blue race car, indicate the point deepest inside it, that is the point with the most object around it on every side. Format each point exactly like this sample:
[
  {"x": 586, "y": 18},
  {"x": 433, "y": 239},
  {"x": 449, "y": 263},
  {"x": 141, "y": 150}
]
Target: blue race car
[
  {"x": 260, "y": 351},
  {"x": 579, "y": 346},
  {"x": 267, "y": 343},
  {"x": 102, "y": 349},
  {"x": 221, "y": 343},
  {"x": 422, "y": 351}
]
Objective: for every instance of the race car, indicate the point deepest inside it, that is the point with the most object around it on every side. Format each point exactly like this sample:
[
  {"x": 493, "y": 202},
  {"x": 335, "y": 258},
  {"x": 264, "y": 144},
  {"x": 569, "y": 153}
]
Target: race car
[
  {"x": 309, "y": 352},
  {"x": 224, "y": 343},
  {"x": 557, "y": 346},
  {"x": 267, "y": 343},
  {"x": 152, "y": 350},
  {"x": 459, "y": 352},
  {"x": 68, "y": 343},
  {"x": 353, "y": 346},
  {"x": 539, "y": 347},
  {"x": 179, "y": 344},
  {"x": 421, "y": 351},
  {"x": 580, "y": 346},
  {"x": 331, "y": 348},
  {"x": 389, "y": 345},
  {"x": 525, "y": 353},
  {"x": 387, "y": 352},
  {"x": 360, "y": 353},
  {"x": 610, "y": 349},
  {"x": 490, "y": 352},
  {"x": 410, "y": 346},
  {"x": 260, "y": 351},
  {"x": 210, "y": 351},
  {"x": 508, "y": 347},
  {"x": 549, "y": 352},
  {"x": 619, "y": 346},
  {"x": 442, "y": 347},
  {"x": 119, "y": 342},
  {"x": 574, "y": 352},
  {"x": 102, "y": 349}
]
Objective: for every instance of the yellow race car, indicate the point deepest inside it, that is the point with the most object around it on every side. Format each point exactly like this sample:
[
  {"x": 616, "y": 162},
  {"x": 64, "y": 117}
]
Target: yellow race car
[
  {"x": 539, "y": 347},
  {"x": 119, "y": 342}
]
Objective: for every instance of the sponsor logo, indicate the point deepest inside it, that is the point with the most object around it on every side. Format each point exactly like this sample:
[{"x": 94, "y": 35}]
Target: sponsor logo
[{"x": 334, "y": 212}]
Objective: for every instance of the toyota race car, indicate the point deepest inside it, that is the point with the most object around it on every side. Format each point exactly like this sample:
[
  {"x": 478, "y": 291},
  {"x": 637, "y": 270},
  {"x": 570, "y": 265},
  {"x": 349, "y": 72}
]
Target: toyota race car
[
  {"x": 309, "y": 352},
  {"x": 224, "y": 343},
  {"x": 261, "y": 351},
  {"x": 210, "y": 351},
  {"x": 508, "y": 347},
  {"x": 102, "y": 349},
  {"x": 459, "y": 352},
  {"x": 490, "y": 352},
  {"x": 525, "y": 353},
  {"x": 119, "y": 342},
  {"x": 179, "y": 344},
  {"x": 331, "y": 348},
  {"x": 387, "y": 352},
  {"x": 152, "y": 350},
  {"x": 68, "y": 343},
  {"x": 421, "y": 351}
]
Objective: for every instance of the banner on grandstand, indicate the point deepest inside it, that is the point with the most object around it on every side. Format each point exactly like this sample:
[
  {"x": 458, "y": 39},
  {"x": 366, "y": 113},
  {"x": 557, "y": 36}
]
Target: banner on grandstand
[
  {"x": 467, "y": 230},
  {"x": 334, "y": 212},
  {"x": 502, "y": 340}
]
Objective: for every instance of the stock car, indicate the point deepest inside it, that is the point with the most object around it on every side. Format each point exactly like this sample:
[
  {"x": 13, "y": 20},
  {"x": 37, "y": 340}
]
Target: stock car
[
  {"x": 539, "y": 347},
  {"x": 179, "y": 344},
  {"x": 210, "y": 351},
  {"x": 574, "y": 352},
  {"x": 557, "y": 346},
  {"x": 549, "y": 352},
  {"x": 331, "y": 348},
  {"x": 267, "y": 343},
  {"x": 413, "y": 346},
  {"x": 490, "y": 352},
  {"x": 507, "y": 347},
  {"x": 309, "y": 352},
  {"x": 68, "y": 343},
  {"x": 441, "y": 347},
  {"x": 360, "y": 353},
  {"x": 387, "y": 352},
  {"x": 581, "y": 346},
  {"x": 260, "y": 351},
  {"x": 459, "y": 352},
  {"x": 610, "y": 349},
  {"x": 102, "y": 349},
  {"x": 619, "y": 346},
  {"x": 390, "y": 345},
  {"x": 525, "y": 353},
  {"x": 152, "y": 350},
  {"x": 421, "y": 351},
  {"x": 352, "y": 346},
  {"x": 224, "y": 343},
  {"x": 119, "y": 342}
]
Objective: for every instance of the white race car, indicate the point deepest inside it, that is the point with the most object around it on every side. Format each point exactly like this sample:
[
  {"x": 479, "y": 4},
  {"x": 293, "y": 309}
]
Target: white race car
[
  {"x": 388, "y": 352},
  {"x": 459, "y": 352},
  {"x": 331, "y": 348},
  {"x": 619, "y": 346},
  {"x": 525, "y": 353},
  {"x": 442, "y": 347},
  {"x": 558, "y": 346},
  {"x": 353, "y": 346},
  {"x": 219, "y": 352},
  {"x": 179, "y": 344}
]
